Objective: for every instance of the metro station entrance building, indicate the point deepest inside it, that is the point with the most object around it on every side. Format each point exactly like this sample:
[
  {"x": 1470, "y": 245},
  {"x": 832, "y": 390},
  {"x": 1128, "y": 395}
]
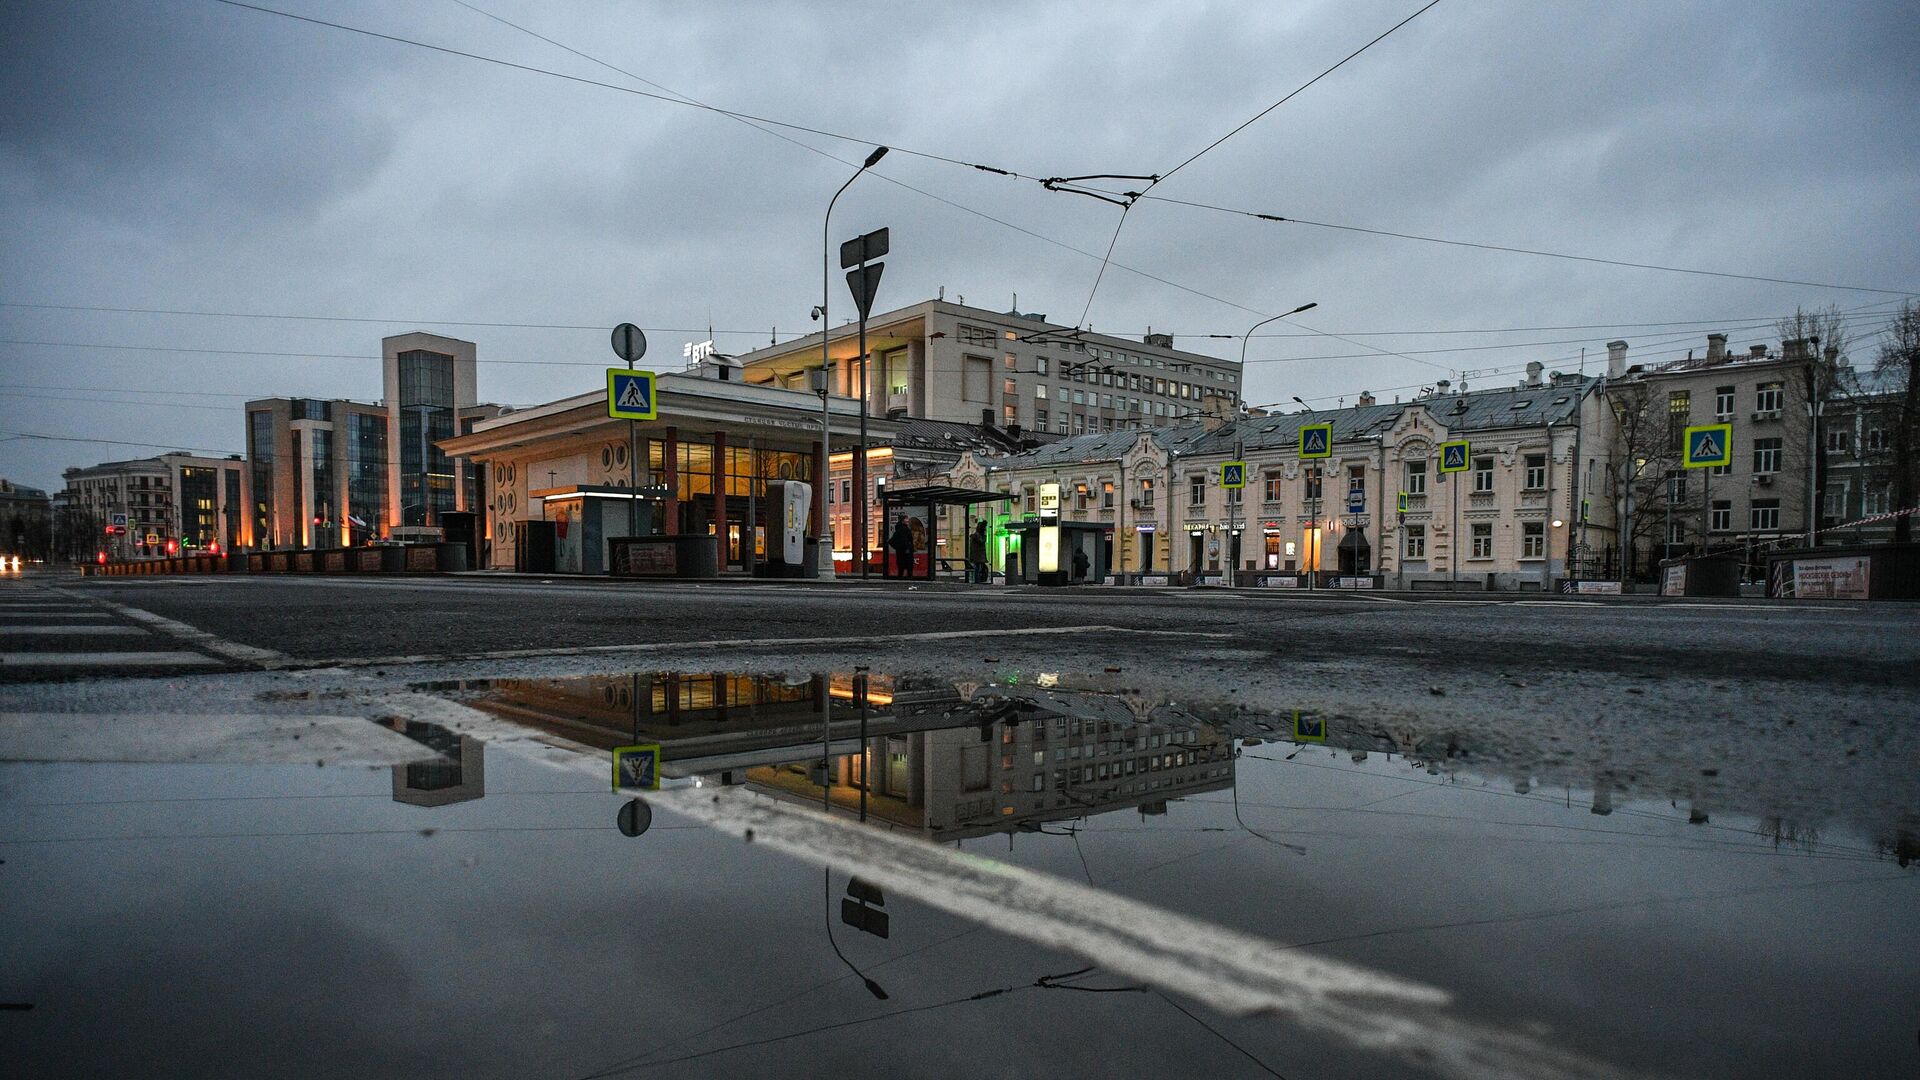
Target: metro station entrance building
[{"x": 701, "y": 468}]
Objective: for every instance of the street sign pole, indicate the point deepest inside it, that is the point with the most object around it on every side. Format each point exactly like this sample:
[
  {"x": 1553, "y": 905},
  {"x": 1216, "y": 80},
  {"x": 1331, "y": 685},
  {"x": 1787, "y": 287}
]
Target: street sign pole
[
  {"x": 629, "y": 344},
  {"x": 864, "y": 282}
]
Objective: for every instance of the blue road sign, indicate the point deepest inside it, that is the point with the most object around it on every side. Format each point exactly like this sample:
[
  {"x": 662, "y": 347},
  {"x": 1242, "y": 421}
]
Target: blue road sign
[
  {"x": 1708, "y": 445},
  {"x": 630, "y": 394}
]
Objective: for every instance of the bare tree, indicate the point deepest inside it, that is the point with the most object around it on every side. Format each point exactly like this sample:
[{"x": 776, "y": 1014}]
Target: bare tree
[
  {"x": 1825, "y": 335},
  {"x": 1646, "y": 451},
  {"x": 1899, "y": 356}
]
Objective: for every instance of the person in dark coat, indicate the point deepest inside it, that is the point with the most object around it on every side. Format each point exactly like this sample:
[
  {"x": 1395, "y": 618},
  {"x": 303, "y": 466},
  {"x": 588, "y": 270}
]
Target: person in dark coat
[
  {"x": 977, "y": 555},
  {"x": 902, "y": 544}
]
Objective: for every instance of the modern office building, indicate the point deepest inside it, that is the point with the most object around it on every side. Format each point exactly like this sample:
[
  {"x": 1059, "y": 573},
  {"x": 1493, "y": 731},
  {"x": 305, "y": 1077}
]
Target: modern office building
[
  {"x": 198, "y": 502},
  {"x": 938, "y": 360},
  {"x": 340, "y": 473}
]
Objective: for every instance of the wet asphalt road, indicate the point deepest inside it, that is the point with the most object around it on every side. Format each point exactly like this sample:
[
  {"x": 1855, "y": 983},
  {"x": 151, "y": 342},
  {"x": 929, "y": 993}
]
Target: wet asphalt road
[
  {"x": 1674, "y": 837},
  {"x": 320, "y": 619}
]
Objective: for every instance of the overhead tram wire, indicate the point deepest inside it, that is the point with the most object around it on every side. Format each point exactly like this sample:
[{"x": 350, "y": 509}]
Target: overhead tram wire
[
  {"x": 1255, "y": 118},
  {"x": 584, "y": 81},
  {"x": 848, "y": 162},
  {"x": 1154, "y": 180},
  {"x": 1281, "y": 219}
]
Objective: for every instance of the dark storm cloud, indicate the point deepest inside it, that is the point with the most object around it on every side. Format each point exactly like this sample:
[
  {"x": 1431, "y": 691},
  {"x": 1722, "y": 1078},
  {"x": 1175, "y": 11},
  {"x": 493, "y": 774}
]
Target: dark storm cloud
[{"x": 194, "y": 155}]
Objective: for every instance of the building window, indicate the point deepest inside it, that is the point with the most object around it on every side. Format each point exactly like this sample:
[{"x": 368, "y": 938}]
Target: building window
[
  {"x": 1766, "y": 455},
  {"x": 1839, "y": 441},
  {"x": 1416, "y": 541},
  {"x": 1482, "y": 540},
  {"x": 1720, "y": 518},
  {"x": 1723, "y": 403},
  {"x": 1536, "y": 472},
  {"x": 1764, "y": 516},
  {"x": 1482, "y": 474},
  {"x": 1533, "y": 539},
  {"x": 1273, "y": 487},
  {"x": 1769, "y": 398},
  {"x": 1416, "y": 477}
]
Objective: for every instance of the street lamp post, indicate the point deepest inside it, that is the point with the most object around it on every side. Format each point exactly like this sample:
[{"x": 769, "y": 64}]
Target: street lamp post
[
  {"x": 826, "y": 362},
  {"x": 1239, "y": 444}
]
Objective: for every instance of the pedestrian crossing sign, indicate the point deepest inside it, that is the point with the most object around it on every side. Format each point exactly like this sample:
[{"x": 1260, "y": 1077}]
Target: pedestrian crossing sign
[
  {"x": 1316, "y": 441},
  {"x": 1708, "y": 445},
  {"x": 636, "y": 766},
  {"x": 630, "y": 394},
  {"x": 1454, "y": 456},
  {"x": 1233, "y": 474}
]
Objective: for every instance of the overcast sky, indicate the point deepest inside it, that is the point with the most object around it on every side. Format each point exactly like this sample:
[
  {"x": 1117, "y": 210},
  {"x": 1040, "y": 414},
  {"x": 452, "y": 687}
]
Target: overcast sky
[{"x": 192, "y": 155}]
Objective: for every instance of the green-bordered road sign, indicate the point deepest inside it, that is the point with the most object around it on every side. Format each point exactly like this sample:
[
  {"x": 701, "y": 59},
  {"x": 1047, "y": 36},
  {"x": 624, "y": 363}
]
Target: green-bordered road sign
[
  {"x": 630, "y": 394},
  {"x": 636, "y": 767},
  {"x": 1708, "y": 445}
]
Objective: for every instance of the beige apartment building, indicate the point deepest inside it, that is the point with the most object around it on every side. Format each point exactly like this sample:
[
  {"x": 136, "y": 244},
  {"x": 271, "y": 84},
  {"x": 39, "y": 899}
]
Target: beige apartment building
[
  {"x": 1512, "y": 519},
  {"x": 946, "y": 361},
  {"x": 1762, "y": 497},
  {"x": 186, "y": 500}
]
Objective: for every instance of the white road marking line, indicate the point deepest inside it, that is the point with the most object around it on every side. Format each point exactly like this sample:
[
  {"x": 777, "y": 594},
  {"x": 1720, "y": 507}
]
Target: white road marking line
[
  {"x": 749, "y": 643},
  {"x": 245, "y": 654},
  {"x": 1226, "y": 969},
  {"x": 71, "y": 631},
  {"x": 104, "y": 659}
]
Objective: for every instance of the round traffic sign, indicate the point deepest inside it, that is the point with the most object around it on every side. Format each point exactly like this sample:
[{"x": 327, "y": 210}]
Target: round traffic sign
[
  {"x": 635, "y": 817},
  {"x": 629, "y": 344}
]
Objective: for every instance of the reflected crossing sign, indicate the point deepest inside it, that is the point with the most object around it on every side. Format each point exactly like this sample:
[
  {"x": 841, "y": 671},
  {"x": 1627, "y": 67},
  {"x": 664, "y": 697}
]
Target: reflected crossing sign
[
  {"x": 630, "y": 394},
  {"x": 1316, "y": 441},
  {"x": 1453, "y": 456},
  {"x": 636, "y": 766},
  {"x": 1233, "y": 474},
  {"x": 1708, "y": 445}
]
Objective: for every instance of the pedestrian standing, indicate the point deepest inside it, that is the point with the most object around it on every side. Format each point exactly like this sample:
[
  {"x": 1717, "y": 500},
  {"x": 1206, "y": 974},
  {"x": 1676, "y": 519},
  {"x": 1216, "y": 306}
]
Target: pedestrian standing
[
  {"x": 977, "y": 555},
  {"x": 902, "y": 544}
]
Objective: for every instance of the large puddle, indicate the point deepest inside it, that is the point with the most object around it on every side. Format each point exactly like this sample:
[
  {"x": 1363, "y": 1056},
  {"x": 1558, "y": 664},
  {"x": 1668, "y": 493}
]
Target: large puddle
[{"x": 481, "y": 911}]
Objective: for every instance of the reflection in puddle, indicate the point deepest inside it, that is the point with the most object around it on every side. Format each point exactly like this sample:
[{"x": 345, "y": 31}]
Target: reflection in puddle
[
  {"x": 951, "y": 759},
  {"x": 456, "y": 773}
]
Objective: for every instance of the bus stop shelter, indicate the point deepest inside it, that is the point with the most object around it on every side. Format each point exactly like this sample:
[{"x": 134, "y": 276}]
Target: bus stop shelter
[{"x": 930, "y": 498}]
